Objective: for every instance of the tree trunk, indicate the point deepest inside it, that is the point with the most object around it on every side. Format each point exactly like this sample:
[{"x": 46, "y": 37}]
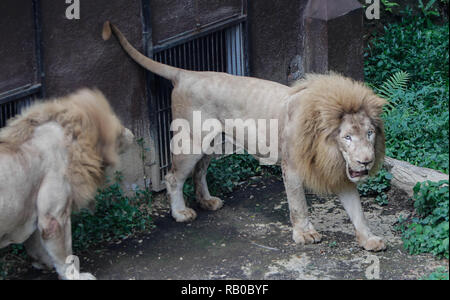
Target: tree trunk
[{"x": 406, "y": 175}]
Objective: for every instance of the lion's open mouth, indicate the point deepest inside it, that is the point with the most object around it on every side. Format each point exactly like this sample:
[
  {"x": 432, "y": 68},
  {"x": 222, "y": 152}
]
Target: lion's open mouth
[{"x": 356, "y": 174}]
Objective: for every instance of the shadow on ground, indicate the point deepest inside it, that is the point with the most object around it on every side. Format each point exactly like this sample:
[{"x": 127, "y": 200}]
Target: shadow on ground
[{"x": 250, "y": 238}]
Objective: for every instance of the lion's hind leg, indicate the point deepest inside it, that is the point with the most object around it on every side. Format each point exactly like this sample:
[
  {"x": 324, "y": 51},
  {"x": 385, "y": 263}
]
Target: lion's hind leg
[
  {"x": 202, "y": 194},
  {"x": 182, "y": 167}
]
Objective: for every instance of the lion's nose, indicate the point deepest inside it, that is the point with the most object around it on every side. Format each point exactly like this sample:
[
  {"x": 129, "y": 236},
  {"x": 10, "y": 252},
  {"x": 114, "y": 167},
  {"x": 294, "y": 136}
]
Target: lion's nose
[{"x": 365, "y": 163}]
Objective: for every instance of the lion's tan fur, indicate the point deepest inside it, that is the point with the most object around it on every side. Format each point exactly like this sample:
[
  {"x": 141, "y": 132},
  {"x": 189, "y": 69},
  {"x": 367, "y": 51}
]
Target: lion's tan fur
[
  {"x": 91, "y": 127},
  {"x": 330, "y": 136},
  {"x": 325, "y": 100}
]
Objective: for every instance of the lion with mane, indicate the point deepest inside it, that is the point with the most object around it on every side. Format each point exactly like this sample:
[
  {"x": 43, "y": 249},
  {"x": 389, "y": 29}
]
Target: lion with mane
[
  {"x": 330, "y": 138},
  {"x": 52, "y": 160}
]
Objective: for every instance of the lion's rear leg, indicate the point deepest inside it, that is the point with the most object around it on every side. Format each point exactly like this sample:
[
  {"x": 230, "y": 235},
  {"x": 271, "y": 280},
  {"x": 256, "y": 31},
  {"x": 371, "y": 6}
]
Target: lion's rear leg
[
  {"x": 202, "y": 194},
  {"x": 182, "y": 167},
  {"x": 303, "y": 229}
]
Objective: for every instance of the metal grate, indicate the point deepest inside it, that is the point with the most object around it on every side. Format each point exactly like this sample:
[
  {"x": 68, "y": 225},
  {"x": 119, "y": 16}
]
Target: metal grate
[
  {"x": 222, "y": 50},
  {"x": 15, "y": 101}
]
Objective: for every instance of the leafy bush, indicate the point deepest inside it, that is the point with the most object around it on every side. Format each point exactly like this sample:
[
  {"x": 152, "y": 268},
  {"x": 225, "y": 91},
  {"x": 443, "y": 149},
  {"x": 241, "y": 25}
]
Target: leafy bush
[
  {"x": 9, "y": 257},
  {"x": 417, "y": 120},
  {"x": 417, "y": 129},
  {"x": 116, "y": 217},
  {"x": 412, "y": 45},
  {"x": 429, "y": 233},
  {"x": 440, "y": 274},
  {"x": 377, "y": 187},
  {"x": 227, "y": 172}
]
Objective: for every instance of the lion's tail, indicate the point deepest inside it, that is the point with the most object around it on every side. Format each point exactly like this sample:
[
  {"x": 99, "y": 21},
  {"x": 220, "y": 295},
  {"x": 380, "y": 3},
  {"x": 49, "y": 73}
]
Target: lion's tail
[{"x": 163, "y": 70}]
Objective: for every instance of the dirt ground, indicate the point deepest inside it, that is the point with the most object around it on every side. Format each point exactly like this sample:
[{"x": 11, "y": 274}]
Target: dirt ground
[{"x": 250, "y": 238}]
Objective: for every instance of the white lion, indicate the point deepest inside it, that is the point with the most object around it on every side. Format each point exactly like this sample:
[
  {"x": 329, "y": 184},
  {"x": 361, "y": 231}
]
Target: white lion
[
  {"x": 52, "y": 159},
  {"x": 330, "y": 137}
]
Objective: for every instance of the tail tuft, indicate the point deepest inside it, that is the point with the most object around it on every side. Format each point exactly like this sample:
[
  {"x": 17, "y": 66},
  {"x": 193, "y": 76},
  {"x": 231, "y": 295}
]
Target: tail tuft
[{"x": 106, "y": 33}]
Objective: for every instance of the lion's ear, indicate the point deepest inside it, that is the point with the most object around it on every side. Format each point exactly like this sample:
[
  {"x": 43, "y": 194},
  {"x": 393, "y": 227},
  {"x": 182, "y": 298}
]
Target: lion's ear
[{"x": 374, "y": 109}]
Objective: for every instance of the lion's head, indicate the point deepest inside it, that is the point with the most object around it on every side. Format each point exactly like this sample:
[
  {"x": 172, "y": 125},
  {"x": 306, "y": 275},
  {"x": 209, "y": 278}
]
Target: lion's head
[
  {"x": 340, "y": 135},
  {"x": 95, "y": 137}
]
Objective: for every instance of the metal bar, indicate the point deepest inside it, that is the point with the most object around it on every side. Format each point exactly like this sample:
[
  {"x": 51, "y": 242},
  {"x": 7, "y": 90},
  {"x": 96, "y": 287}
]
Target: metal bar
[
  {"x": 223, "y": 50},
  {"x": 20, "y": 92},
  {"x": 246, "y": 36},
  {"x": 197, "y": 33},
  {"x": 202, "y": 53},
  {"x": 199, "y": 57},
  {"x": 152, "y": 97},
  {"x": 217, "y": 46},
  {"x": 208, "y": 53},
  {"x": 2, "y": 121}
]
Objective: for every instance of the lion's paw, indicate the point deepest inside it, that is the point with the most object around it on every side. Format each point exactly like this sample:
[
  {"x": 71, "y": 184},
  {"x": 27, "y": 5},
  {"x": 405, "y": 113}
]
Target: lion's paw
[
  {"x": 40, "y": 266},
  {"x": 87, "y": 276},
  {"x": 185, "y": 215},
  {"x": 373, "y": 243},
  {"x": 212, "y": 204},
  {"x": 306, "y": 237}
]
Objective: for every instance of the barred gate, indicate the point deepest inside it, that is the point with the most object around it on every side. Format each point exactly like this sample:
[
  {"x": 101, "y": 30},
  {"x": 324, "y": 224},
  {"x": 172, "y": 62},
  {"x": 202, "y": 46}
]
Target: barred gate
[{"x": 220, "y": 47}]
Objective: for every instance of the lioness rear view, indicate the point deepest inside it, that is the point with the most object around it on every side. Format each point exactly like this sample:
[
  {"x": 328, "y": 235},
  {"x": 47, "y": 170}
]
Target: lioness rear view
[
  {"x": 52, "y": 159},
  {"x": 331, "y": 136}
]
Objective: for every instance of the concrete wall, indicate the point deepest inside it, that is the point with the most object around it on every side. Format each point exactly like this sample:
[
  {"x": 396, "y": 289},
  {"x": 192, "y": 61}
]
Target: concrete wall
[
  {"x": 276, "y": 39},
  {"x": 75, "y": 56},
  {"x": 17, "y": 59}
]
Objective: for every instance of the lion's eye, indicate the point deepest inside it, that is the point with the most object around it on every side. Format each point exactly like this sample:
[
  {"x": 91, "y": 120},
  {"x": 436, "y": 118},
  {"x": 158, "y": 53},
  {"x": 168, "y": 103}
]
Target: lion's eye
[
  {"x": 348, "y": 138},
  {"x": 370, "y": 133}
]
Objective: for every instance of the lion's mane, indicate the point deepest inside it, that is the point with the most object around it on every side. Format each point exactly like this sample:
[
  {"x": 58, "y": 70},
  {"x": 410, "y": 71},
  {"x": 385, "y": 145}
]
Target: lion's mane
[
  {"x": 325, "y": 99},
  {"x": 91, "y": 129}
]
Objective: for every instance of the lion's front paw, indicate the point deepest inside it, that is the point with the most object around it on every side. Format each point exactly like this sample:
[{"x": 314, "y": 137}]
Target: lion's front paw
[
  {"x": 39, "y": 266},
  {"x": 185, "y": 215},
  {"x": 306, "y": 237},
  {"x": 374, "y": 243},
  {"x": 212, "y": 204},
  {"x": 80, "y": 276},
  {"x": 87, "y": 276}
]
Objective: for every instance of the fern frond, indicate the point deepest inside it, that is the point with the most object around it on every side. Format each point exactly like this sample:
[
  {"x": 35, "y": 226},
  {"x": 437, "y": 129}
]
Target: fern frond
[{"x": 398, "y": 81}]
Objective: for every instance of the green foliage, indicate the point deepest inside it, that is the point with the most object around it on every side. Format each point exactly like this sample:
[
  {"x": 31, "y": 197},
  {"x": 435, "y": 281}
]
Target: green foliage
[
  {"x": 391, "y": 87},
  {"x": 440, "y": 273},
  {"x": 415, "y": 50},
  {"x": 417, "y": 118},
  {"x": 417, "y": 129},
  {"x": 377, "y": 186},
  {"x": 389, "y": 5},
  {"x": 9, "y": 256},
  {"x": 429, "y": 233},
  {"x": 427, "y": 9},
  {"x": 413, "y": 46},
  {"x": 227, "y": 172},
  {"x": 116, "y": 217}
]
